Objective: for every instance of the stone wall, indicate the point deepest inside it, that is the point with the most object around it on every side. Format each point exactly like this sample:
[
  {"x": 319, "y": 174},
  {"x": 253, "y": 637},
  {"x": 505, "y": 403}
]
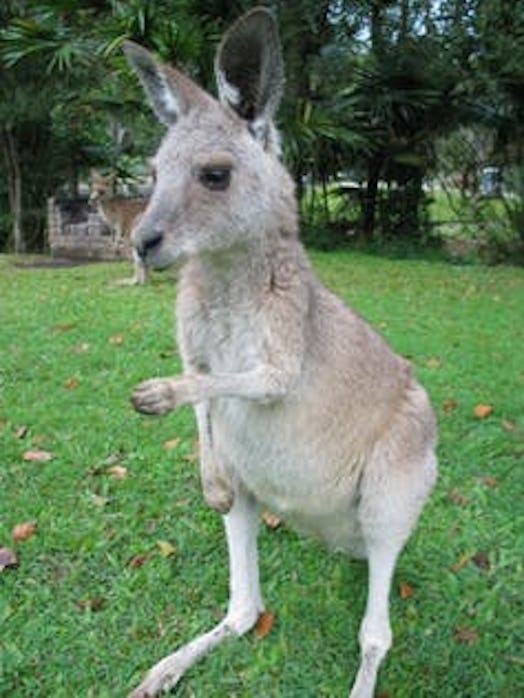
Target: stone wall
[{"x": 76, "y": 231}]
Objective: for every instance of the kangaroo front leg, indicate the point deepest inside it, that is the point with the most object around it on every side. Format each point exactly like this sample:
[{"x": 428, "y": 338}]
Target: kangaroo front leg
[
  {"x": 216, "y": 485},
  {"x": 245, "y": 602},
  {"x": 161, "y": 395}
]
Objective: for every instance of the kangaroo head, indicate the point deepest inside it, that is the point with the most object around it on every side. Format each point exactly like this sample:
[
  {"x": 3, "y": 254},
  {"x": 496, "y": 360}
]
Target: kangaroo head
[
  {"x": 102, "y": 186},
  {"x": 218, "y": 179}
]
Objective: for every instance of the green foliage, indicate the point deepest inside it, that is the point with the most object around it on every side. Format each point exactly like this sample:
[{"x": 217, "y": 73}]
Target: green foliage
[
  {"x": 79, "y": 619},
  {"x": 373, "y": 91}
]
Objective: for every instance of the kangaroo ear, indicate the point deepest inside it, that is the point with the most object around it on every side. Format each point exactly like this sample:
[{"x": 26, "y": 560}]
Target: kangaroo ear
[
  {"x": 170, "y": 93},
  {"x": 249, "y": 68}
]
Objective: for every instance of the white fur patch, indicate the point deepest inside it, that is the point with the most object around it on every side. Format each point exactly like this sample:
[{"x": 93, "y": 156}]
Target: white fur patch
[
  {"x": 227, "y": 91},
  {"x": 170, "y": 103}
]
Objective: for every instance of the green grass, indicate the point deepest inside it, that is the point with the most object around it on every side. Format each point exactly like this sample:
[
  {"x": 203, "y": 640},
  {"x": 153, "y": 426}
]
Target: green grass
[{"x": 462, "y": 328}]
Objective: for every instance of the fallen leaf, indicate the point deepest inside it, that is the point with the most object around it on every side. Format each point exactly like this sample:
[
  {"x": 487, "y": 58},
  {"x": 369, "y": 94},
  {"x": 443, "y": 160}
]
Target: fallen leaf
[
  {"x": 21, "y": 431},
  {"x": 166, "y": 548},
  {"x": 114, "y": 458},
  {"x": 508, "y": 425},
  {"x": 489, "y": 481},
  {"x": 63, "y": 327},
  {"x": 482, "y": 411},
  {"x": 457, "y": 497},
  {"x": 38, "y": 456},
  {"x": 139, "y": 560},
  {"x": 461, "y": 563},
  {"x": 481, "y": 560},
  {"x": 93, "y": 605},
  {"x": 406, "y": 591},
  {"x": 434, "y": 362},
  {"x": 8, "y": 559},
  {"x": 265, "y": 623},
  {"x": 466, "y": 635},
  {"x": 99, "y": 501},
  {"x": 71, "y": 383},
  {"x": 171, "y": 444},
  {"x": 82, "y": 348},
  {"x": 195, "y": 452},
  {"x": 119, "y": 472},
  {"x": 24, "y": 531},
  {"x": 271, "y": 520},
  {"x": 116, "y": 340},
  {"x": 449, "y": 405}
]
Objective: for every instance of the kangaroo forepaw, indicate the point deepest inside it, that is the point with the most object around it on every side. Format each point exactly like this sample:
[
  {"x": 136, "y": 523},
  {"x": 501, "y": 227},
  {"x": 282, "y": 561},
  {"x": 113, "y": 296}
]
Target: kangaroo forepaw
[{"x": 154, "y": 396}]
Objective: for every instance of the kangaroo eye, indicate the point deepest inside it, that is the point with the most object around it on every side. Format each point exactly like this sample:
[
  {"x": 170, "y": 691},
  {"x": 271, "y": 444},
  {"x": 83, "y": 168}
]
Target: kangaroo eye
[{"x": 215, "y": 178}]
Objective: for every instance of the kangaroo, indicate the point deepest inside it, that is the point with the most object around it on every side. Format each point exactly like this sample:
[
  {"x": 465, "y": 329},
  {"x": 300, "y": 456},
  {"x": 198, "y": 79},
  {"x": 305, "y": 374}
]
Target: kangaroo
[
  {"x": 121, "y": 214},
  {"x": 301, "y": 407}
]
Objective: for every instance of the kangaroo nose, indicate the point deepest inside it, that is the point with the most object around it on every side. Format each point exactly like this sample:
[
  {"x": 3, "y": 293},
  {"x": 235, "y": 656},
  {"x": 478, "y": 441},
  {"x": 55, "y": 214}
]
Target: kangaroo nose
[{"x": 153, "y": 240}]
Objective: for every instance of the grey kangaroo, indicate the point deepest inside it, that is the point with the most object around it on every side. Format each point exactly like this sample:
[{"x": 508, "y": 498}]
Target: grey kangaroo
[{"x": 302, "y": 408}]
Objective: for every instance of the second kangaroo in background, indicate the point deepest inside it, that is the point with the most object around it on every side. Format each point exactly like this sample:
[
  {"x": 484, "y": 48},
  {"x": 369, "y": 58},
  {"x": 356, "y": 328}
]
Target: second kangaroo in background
[
  {"x": 121, "y": 214},
  {"x": 301, "y": 406}
]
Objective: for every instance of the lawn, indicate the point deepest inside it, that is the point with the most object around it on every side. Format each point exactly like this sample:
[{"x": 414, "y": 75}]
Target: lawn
[{"x": 126, "y": 561}]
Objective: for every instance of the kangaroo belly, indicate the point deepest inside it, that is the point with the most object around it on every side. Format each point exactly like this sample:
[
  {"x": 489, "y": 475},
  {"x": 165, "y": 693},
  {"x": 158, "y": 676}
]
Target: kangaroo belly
[{"x": 307, "y": 476}]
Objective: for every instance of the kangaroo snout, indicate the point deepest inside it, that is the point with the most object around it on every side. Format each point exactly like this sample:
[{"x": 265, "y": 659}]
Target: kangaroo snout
[{"x": 147, "y": 243}]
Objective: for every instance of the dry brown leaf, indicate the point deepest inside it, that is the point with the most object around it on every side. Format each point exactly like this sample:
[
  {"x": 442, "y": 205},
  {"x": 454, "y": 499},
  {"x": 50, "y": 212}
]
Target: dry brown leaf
[
  {"x": 8, "y": 559},
  {"x": 449, "y": 405},
  {"x": 265, "y": 623},
  {"x": 434, "y": 362},
  {"x": 489, "y": 481},
  {"x": 139, "y": 560},
  {"x": 462, "y": 562},
  {"x": 24, "y": 531},
  {"x": 481, "y": 560},
  {"x": 406, "y": 591},
  {"x": 99, "y": 501},
  {"x": 114, "y": 458},
  {"x": 171, "y": 444},
  {"x": 81, "y": 348},
  {"x": 71, "y": 383},
  {"x": 508, "y": 425},
  {"x": 63, "y": 327},
  {"x": 37, "y": 456},
  {"x": 21, "y": 431},
  {"x": 457, "y": 497},
  {"x": 166, "y": 548},
  {"x": 271, "y": 520},
  {"x": 195, "y": 452},
  {"x": 95, "y": 604},
  {"x": 482, "y": 411},
  {"x": 119, "y": 472},
  {"x": 116, "y": 340},
  {"x": 466, "y": 635}
]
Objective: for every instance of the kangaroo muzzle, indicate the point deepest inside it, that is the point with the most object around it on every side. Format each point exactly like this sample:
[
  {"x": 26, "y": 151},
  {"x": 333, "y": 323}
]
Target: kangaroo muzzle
[{"x": 149, "y": 243}]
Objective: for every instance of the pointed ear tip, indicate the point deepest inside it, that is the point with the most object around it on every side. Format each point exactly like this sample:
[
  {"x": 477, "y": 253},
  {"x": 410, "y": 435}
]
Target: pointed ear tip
[
  {"x": 263, "y": 15},
  {"x": 261, "y": 11}
]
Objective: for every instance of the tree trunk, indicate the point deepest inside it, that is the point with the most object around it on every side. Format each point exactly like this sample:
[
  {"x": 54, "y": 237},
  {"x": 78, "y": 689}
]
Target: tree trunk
[
  {"x": 14, "y": 188},
  {"x": 370, "y": 197}
]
